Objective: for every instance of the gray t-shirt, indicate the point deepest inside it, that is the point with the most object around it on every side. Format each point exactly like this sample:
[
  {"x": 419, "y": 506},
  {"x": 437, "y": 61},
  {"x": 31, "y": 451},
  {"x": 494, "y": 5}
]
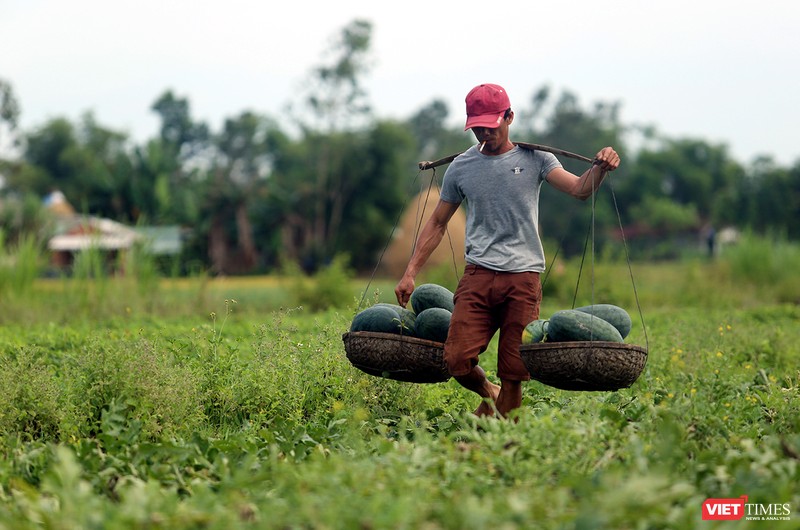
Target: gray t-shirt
[{"x": 502, "y": 203}]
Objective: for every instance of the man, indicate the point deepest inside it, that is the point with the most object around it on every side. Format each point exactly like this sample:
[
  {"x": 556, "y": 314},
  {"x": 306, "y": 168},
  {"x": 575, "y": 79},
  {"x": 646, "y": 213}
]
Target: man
[{"x": 500, "y": 287}]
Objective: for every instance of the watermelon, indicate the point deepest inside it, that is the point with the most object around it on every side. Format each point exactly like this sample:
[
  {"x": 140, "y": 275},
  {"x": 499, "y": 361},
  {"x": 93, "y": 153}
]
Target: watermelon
[
  {"x": 377, "y": 318},
  {"x": 433, "y": 324},
  {"x": 430, "y": 295},
  {"x": 535, "y": 332},
  {"x": 614, "y": 315},
  {"x": 573, "y": 325},
  {"x": 407, "y": 316}
]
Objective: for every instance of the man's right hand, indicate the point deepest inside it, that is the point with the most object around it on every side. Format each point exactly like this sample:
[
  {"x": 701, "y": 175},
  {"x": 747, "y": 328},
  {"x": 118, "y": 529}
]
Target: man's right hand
[{"x": 404, "y": 289}]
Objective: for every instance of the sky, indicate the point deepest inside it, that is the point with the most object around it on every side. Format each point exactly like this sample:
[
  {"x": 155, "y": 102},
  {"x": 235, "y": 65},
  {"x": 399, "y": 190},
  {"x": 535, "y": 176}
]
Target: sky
[{"x": 722, "y": 72}]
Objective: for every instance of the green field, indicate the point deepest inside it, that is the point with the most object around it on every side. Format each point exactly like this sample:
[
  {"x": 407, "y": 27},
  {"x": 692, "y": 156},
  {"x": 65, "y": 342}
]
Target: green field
[{"x": 230, "y": 404}]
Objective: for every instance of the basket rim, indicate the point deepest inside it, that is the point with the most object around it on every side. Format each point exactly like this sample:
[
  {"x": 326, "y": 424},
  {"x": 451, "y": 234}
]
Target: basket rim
[
  {"x": 430, "y": 368},
  {"x": 581, "y": 345},
  {"x": 581, "y": 376},
  {"x": 393, "y": 337}
]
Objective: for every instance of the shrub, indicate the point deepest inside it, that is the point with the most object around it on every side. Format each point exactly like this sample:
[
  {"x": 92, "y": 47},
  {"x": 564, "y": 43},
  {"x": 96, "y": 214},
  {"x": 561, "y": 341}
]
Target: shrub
[
  {"x": 20, "y": 264},
  {"x": 32, "y": 402},
  {"x": 329, "y": 287},
  {"x": 770, "y": 261}
]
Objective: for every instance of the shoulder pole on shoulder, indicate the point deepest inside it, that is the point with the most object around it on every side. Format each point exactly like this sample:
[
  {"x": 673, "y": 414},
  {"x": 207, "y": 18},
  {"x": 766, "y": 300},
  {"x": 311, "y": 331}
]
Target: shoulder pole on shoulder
[{"x": 533, "y": 147}]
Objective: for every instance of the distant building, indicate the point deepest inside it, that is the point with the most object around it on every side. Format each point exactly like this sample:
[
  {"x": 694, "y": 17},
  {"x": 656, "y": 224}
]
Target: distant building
[
  {"x": 77, "y": 233},
  {"x": 162, "y": 240},
  {"x": 58, "y": 204}
]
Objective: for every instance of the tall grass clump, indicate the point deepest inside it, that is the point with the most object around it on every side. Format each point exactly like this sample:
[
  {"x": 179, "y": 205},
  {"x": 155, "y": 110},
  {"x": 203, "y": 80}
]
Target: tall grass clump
[
  {"x": 103, "y": 285},
  {"x": 89, "y": 283},
  {"x": 141, "y": 381},
  {"x": 770, "y": 262},
  {"x": 291, "y": 371},
  {"x": 33, "y": 404},
  {"x": 329, "y": 287},
  {"x": 20, "y": 264},
  {"x": 140, "y": 267},
  {"x": 60, "y": 389}
]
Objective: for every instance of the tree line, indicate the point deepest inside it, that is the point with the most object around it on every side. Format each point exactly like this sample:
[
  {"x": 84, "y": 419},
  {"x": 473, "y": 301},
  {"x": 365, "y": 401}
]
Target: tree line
[{"x": 255, "y": 193}]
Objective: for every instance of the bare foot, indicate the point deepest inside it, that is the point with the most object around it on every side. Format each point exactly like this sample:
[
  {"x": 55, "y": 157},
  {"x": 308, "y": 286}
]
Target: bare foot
[
  {"x": 510, "y": 397},
  {"x": 487, "y": 406}
]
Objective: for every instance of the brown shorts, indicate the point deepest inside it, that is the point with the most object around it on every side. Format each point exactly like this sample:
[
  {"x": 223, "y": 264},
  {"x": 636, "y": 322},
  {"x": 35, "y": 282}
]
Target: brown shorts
[{"x": 486, "y": 301}]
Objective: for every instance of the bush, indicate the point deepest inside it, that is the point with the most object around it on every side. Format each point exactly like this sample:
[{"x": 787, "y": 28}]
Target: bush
[
  {"x": 770, "y": 262},
  {"x": 20, "y": 265},
  {"x": 33, "y": 402},
  {"x": 329, "y": 287}
]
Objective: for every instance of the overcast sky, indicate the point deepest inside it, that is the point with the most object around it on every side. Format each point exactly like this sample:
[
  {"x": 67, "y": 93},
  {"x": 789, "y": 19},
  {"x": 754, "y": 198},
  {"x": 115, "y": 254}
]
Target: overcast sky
[{"x": 719, "y": 71}]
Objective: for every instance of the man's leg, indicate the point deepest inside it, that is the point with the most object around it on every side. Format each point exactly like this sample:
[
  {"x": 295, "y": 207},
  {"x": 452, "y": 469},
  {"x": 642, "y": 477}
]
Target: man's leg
[
  {"x": 477, "y": 381},
  {"x": 510, "y": 396},
  {"x": 471, "y": 329},
  {"x": 504, "y": 398},
  {"x": 521, "y": 294}
]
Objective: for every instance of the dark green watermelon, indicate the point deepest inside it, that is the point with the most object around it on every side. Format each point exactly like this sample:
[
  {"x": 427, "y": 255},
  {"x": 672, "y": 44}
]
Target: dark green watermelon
[
  {"x": 378, "y": 319},
  {"x": 614, "y": 315},
  {"x": 534, "y": 332},
  {"x": 407, "y": 316},
  {"x": 433, "y": 324},
  {"x": 430, "y": 295},
  {"x": 573, "y": 325}
]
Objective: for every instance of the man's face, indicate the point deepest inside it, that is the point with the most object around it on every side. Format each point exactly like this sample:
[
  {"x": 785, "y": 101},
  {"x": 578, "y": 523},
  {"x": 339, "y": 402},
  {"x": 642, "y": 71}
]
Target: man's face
[{"x": 496, "y": 137}]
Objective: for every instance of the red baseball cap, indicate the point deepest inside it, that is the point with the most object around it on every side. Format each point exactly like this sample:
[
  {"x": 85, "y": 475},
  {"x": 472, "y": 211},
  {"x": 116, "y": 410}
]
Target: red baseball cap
[{"x": 486, "y": 106}]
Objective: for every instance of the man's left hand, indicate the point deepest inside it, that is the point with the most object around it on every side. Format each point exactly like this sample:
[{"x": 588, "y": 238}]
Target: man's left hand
[{"x": 607, "y": 159}]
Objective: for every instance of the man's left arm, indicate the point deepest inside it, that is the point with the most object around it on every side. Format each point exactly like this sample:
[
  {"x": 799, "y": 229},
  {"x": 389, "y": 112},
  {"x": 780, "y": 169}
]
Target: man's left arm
[{"x": 582, "y": 187}]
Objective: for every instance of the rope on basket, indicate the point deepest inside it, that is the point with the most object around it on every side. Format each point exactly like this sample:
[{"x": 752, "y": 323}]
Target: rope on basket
[
  {"x": 630, "y": 270},
  {"x": 591, "y": 232},
  {"x": 421, "y": 216},
  {"x": 417, "y": 228}
]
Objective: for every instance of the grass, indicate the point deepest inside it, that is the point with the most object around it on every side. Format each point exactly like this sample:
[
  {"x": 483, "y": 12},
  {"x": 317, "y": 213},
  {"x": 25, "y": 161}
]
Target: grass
[{"x": 229, "y": 404}]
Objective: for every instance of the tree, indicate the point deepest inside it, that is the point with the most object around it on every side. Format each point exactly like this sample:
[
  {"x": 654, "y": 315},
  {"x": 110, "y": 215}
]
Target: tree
[
  {"x": 337, "y": 102},
  {"x": 179, "y": 131},
  {"x": 687, "y": 172},
  {"x": 89, "y": 163},
  {"x": 372, "y": 196},
  {"x": 168, "y": 168},
  {"x": 335, "y": 97},
  {"x": 361, "y": 209},
  {"x": 9, "y": 109},
  {"x": 176, "y": 161},
  {"x": 771, "y": 202},
  {"x": 241, "y": 166},
  {"x": 171, "y": 173},
  {"x": 21, "y": 212}
]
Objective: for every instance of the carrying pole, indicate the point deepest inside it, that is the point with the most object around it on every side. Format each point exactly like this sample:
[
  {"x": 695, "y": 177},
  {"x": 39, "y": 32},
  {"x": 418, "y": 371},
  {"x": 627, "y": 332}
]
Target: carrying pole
[{"x": 533, "y": 147}]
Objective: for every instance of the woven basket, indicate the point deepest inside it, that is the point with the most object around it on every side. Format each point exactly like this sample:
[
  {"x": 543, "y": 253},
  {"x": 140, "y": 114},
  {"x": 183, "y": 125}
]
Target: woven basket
[
  {"x": 588, "y": 365},
  {"x": 397, "y": 357}
]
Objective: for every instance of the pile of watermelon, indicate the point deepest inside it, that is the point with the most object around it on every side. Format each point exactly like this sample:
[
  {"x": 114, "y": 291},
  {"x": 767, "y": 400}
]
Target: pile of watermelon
[
  {"x": 597, "y": 322},
  {"x": 427, "y": 317}
]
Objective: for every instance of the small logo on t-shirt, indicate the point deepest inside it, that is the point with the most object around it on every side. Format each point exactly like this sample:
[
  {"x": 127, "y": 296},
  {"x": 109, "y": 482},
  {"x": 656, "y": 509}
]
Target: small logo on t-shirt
[{"x": 517, "y": 170}]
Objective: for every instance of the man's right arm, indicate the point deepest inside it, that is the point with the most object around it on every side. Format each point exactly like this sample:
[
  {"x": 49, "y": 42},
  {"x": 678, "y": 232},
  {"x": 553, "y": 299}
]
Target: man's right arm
[
  {"x": 430, "y": 237},
  {"x": 582, "y": 187}
]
